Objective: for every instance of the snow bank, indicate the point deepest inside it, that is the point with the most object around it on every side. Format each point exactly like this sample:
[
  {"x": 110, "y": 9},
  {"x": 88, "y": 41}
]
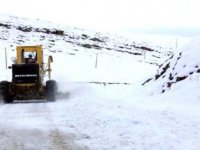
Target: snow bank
[{"x": 183, "y": 66}]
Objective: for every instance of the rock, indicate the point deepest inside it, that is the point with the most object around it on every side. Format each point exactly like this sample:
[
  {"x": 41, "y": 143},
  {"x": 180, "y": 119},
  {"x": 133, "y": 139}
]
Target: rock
[
  {"x": 5, "y": 25},
  {"x": 24, "y": 29},
  {"x": 180, "y": 78},
  {"x": 96, "y": 39},
  {"x": 87, "y": 45}
]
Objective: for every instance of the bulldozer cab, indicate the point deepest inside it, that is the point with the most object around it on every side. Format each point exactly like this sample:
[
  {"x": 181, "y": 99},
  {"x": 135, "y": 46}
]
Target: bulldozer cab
[
  {"x": 29, "y": 54},
  {"x": 34, "y": 54},
  {"x": 28, "y": 68}
]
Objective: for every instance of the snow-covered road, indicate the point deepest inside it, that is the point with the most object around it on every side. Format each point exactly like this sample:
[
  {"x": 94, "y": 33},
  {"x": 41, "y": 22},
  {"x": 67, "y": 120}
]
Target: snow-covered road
[
  {"x": 31, "y": 126},
  {"x": 109, "y": 117}
]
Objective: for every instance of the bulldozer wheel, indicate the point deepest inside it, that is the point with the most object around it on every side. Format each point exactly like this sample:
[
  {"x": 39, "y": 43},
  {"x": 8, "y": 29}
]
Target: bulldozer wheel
[
  {"x": 5, "y": 93},
  {"x": 51, "y": 89}
]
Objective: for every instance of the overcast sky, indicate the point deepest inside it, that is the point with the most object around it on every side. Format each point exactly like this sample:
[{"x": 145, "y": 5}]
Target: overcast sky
[{"x": 110, "y": 15}]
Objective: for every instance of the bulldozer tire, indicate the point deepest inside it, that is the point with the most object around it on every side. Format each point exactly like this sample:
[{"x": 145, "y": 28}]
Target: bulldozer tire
[
  {"x": 51, "y": 89},
  {"x": 5, "y": 92}
]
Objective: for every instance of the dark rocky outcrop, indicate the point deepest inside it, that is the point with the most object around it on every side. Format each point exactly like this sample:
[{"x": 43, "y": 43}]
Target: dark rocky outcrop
[
  {"x": 96, "y": 39},
  {"x": 5, "y": 25},
  {"x": 164, "y": 69},
  {"x": 24, "y": 28}
]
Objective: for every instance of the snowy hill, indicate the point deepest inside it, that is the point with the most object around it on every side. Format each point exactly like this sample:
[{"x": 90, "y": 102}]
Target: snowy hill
[
  {"x": 80, "y": 48},
  {"x": 119, "y": 114},
  {"x": 20, "y": 31},
  {"x": 56, "y": 38}
]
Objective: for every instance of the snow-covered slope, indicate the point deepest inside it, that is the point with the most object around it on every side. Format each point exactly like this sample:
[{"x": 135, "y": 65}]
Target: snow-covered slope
[
  {"x": 179, "y": 70},
  {"x": 80, "y": 50},
  {"x": 20, "y": 31}
]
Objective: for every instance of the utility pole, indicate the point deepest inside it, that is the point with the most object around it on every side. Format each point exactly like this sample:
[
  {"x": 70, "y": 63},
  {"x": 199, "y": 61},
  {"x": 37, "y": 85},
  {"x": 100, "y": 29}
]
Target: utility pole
[
  {"x": 96, "y": 60},
  {"x": 176, "y": 44},
  {"x": 144, "y": 53},
  {"x": 6, "y": 58}
]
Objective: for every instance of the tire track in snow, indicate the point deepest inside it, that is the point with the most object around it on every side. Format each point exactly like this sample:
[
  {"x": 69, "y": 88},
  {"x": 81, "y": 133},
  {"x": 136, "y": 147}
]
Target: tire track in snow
[
  {"x": 59, "y": 140},
  {"x": 62, "y": 142},
  {"x": 33, "y": 126}
]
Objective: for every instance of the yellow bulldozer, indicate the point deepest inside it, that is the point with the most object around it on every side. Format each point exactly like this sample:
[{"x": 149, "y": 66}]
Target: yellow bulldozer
[{"x": 28, "y": 72}]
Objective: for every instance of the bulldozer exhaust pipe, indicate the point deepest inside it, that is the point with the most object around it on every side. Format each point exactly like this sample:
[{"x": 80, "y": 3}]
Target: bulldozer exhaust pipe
[{"x": 50, "y": 60}]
